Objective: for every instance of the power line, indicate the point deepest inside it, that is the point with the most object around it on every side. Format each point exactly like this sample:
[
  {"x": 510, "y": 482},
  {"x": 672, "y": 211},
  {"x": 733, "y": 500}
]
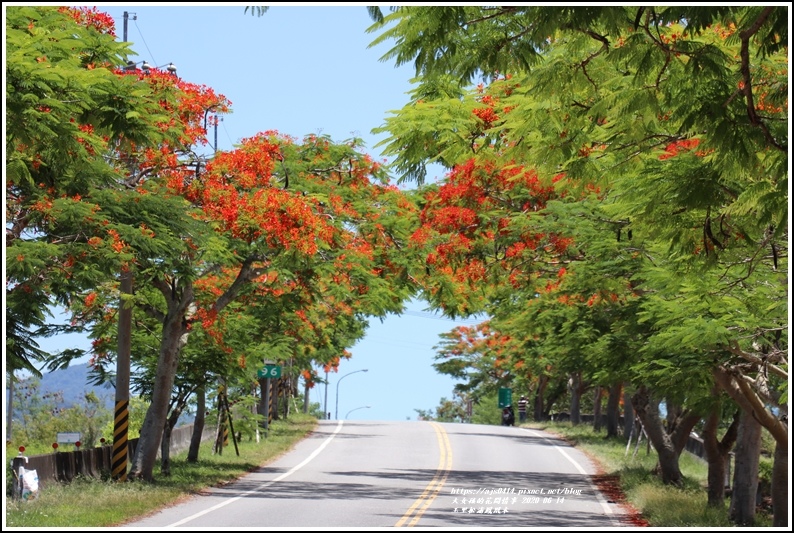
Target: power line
[
  {"x": 231, "y": 143},
  {"x": 135, "y": 20},
  {"x": 396, "y": 343},
  {"x": 468, "y": 321}
]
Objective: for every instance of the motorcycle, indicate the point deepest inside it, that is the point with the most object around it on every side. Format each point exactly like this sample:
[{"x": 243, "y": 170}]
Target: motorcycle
[{"x": 508, "y": 416}]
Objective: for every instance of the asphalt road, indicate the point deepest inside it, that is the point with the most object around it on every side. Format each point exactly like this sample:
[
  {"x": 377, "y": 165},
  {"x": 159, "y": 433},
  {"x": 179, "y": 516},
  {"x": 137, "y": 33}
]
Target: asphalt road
[{"x": 407, "y": 474}]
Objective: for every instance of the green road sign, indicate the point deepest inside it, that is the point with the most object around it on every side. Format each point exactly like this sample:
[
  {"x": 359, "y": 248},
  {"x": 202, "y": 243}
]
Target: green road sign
[
  {"x": 269, "y": 371},
  {"x": 505, "y": 397}
]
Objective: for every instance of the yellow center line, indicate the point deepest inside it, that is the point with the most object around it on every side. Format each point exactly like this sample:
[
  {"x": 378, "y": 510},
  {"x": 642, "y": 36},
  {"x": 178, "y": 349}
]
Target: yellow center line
[{"x": 433, "y": 488}]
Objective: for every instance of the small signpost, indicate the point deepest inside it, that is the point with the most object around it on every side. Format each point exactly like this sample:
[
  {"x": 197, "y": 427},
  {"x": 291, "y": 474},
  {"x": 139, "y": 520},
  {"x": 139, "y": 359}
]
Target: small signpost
[
  {"x": 68, "y": 438},
  {"x": 265, "y": 374},
  {"x": 505, "y": 397},
  {"x": 269, "y": 371}
]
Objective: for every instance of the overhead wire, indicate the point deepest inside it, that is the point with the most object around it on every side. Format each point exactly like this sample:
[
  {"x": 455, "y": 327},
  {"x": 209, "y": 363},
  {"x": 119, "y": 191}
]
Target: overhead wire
[
  {"x": 231, "y": 143},
  {"x": 135, "y": 20},
  {"x": 466, "y": 321}
]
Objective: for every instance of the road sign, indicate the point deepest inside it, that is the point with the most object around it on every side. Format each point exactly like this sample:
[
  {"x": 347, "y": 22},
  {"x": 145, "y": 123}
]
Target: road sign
[
  {"x": 269, "y": 371},
  {"x": 68, "y": 437},
  {"x": 505, "y": 397}
]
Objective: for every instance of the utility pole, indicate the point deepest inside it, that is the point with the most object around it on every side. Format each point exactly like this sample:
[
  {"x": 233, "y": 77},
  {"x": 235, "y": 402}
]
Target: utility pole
[
  {"x": 216, "y": 134},
  {"x": 126, "y": 18},
  {"x": 121, "y": 413}
]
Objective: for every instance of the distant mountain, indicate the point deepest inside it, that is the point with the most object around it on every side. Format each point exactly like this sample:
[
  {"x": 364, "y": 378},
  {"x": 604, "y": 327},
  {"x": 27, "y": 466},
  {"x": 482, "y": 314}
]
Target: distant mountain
[{"x": 72, "y": 382}]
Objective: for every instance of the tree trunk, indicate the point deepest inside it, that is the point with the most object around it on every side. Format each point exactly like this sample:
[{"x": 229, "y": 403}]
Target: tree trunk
[
  {"x": 165, "y": 451},
  {"x": 306, "y": 390},
  {"x": 558, "y": 390},
  {"x": 683, "y": 428},
  {"x": 647, "y": 410},
  {"x": 613, "y": 409},
  {"x": 538, "y": 406},
  {"x": 750, "y": 402},
  {"x": 575, "y": 388},
  {"x": 628, "y": 414},
  {"x": 597, "y": 409},
  {"x": 780, "y": 487},
  {"x": 10, "y": 406},
  {"x": 286, "y": 386},
  {"x": 745, "y": 478},
  {"x": 274, "y": 395},
  {"x": 174, "y": 338},
  {"x": 198, "y": 425},
  {"x": 165, "y": 445},
  {"x": 674, "y": 413},
  {"x": 718, "y": 454},
  {"x": 179, "y": 296}
]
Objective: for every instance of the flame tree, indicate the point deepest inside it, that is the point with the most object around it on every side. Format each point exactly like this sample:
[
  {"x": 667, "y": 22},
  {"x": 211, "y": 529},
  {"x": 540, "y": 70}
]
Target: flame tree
[
  {"x": 679, "y": 117},
  {"x": 106, "y": 175}
]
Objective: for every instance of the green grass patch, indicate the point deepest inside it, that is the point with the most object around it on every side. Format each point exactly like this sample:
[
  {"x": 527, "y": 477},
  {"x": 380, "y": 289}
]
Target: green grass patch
[
  {"x": 104, "y": 503},
  {"x": 665, "y": 506},
  {"x": 661, "y": 505}
]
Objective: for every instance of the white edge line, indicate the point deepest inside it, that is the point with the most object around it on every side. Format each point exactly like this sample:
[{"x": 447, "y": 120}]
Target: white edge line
[
  {"x": 291, "y": 471},
  {"x": 599, "y": 497}
]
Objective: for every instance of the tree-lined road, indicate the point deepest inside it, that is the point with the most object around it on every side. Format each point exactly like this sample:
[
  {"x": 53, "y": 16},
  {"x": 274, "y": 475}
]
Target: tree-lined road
[{"x": 395, "y": 474}]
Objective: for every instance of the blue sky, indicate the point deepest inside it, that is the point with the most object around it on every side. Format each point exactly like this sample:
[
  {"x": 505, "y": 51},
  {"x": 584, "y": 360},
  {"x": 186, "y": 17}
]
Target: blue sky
[{"x": 303, "y": 69}]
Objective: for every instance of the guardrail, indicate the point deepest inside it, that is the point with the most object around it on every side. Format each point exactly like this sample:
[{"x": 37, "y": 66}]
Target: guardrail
[{"x": 63, "y": 467}]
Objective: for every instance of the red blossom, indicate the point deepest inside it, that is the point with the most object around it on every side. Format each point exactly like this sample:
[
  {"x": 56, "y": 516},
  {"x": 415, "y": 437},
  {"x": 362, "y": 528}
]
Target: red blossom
[
  {"x": 673, "y": 149},
  {"x": 91, "y": 17}
]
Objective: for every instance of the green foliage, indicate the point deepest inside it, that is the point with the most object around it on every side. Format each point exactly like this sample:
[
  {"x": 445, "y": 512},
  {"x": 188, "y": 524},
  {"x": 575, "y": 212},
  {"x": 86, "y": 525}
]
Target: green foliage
[
  {"x": 136, "y": 414},
  {"x": 245, "y": 418},
  {"x": 69, "y": 117},
  {"x": 38, "y": 418},
  {"x": 664, "y": 132},
  {"x": 315, "y": 409},
  {"x": 468, "y": 41},
  {"x": 446, "y": 411},
  {"x": 23, "y": 324},
  {"x": 486, "y": 410},
  {"x": 643, "y": 106}
]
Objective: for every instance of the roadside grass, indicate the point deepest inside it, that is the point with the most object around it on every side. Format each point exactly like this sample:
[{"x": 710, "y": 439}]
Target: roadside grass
[
  {"x": 660, "y": 505},
  {"x": 105, "y": 503}
]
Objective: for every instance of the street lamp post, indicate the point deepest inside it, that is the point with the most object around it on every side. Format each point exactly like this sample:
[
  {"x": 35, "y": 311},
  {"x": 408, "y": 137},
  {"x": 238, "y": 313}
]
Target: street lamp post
[
  {"x": 336, "y": 411},
  {"x": 326, "y": 414},
  {"x": 356, "y": 409}
]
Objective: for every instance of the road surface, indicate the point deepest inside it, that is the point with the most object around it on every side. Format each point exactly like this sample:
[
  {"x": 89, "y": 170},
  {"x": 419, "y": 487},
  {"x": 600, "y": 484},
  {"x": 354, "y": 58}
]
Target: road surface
[{"x": 367, "y": 474}]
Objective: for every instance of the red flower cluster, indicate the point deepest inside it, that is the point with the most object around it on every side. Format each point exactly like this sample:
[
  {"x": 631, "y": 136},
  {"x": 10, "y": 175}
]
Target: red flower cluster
[
  {"x": 672, "y": 149},
  {"x": 91, "y": 17}
]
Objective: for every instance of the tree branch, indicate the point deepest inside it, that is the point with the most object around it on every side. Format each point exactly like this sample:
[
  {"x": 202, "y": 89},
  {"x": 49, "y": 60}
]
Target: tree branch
[
  {"x": 734, "y": 348},
  {"x": 746, "y": 77},
  {"x": 246, "y": 274},
  {"x": 743, "y": 394}
]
